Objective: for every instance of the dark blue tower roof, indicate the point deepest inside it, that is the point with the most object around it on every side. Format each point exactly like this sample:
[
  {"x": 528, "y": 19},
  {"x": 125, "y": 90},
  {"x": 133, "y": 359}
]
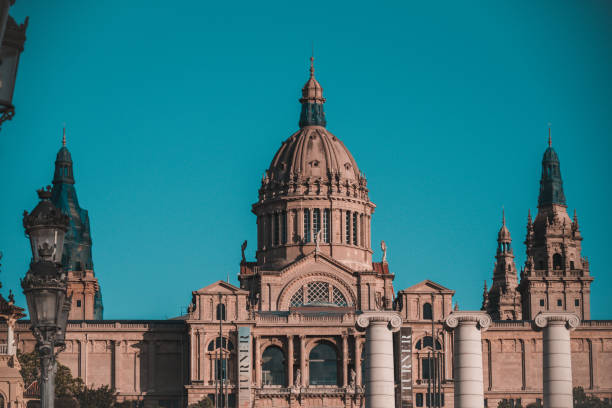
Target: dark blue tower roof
[{"x": 551, "y": 183}]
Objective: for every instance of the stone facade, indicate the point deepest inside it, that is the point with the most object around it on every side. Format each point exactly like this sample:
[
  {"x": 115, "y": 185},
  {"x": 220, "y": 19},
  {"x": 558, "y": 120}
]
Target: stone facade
[{"x": 314, "y": 315}]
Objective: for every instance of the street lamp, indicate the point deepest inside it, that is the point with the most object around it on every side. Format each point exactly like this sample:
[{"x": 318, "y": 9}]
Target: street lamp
[
  {"x": 44, "y": 287},
  {"x": 12, "y": 46}
]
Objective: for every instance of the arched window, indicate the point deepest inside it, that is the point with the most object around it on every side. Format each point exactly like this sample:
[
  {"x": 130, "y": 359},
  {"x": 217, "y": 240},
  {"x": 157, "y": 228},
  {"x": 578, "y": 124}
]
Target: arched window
[
  {"x": 326, "y": 225},
  {"x": 318, "y": 293},
  {"x": 323, "y": 366},
  {"x": 427, "y": 313},
  {"x": 557, "y": 262},
  {"x": 427, "y": 341},
  {"x": 572, "y": 265},
  {"x": 220, "y": 354},
  {"x": 273, "y": 367},
  {"x": 306, "y": 225},
  {"x": 220, "y": 311}
]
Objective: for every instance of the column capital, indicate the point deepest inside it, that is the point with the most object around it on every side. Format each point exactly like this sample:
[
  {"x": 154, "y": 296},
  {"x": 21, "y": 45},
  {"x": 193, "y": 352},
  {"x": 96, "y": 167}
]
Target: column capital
[
  {"x": 393, "y": 319},
  {"x": 456, "y": 318},
  {"x": 544, "y": 319}
]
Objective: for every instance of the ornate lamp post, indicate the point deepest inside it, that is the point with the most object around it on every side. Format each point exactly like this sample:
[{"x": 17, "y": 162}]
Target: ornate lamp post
[
  {"x": 12, "y": 39},
  {"x": 44, "y": 287}
]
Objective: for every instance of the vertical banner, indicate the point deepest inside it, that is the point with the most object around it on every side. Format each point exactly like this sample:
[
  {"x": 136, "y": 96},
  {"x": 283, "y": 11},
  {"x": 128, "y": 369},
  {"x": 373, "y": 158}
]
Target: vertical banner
[
  {"x": 405, "y": 348},
  {"x": 244, "y": 367}
]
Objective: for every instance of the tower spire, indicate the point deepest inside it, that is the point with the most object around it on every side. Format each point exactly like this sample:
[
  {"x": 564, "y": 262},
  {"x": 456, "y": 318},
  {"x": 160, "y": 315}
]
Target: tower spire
[
  {"x": 312, "y": 101},
  {"x": 64, "y": 136},
  {"x": 549, "y": 138}
]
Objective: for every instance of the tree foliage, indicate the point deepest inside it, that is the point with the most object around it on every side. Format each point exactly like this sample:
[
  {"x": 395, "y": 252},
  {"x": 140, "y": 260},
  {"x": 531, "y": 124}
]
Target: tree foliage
[
  {"x": 70, "y": 392},
  {"x": 204, "y": 403},
  {"x": 582, "y": 400}
]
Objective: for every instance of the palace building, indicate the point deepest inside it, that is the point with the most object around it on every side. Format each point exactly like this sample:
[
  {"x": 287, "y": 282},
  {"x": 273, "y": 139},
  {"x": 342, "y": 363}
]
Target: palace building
[{"x": 289, "y": 335}]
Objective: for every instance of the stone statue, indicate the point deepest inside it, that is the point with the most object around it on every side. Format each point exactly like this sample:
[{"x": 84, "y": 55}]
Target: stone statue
[
  {"x": 383, "y": 247},
  {"x": 243, "y": 248},
  {"x": 298, "y": 378},
  {"x": 318, "y": 239},
  {"x": 353, "y": 379}
]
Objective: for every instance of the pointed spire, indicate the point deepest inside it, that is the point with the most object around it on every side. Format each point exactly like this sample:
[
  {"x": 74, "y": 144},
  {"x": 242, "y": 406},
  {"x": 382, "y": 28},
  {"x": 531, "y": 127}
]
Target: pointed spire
[
  {"x": 576, "y": 226},
  {"x": 549, "y": 137},
  {"x": 551, "y": 183},
  {"x": 485, "y": 297},
  {"x": 63, "y": 164},
  {"x": 312, "y": 101},
  {"x": 503, "y": 216}
]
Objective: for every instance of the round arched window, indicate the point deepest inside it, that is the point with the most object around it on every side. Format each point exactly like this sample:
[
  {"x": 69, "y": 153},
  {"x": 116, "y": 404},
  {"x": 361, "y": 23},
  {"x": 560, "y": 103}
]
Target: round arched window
[
  {"x": 318, "y": 293},
  {"x": 323, "y": 365}
]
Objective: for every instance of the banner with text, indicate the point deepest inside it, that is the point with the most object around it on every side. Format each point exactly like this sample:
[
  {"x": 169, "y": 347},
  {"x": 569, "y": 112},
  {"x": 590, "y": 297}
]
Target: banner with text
[
  {"x": 244, "y": 366},
  {"x": 405, "y": 349}
]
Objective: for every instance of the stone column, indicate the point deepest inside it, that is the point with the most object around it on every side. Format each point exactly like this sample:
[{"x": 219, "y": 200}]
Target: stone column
[
  {"x": 467, "y": 356},
  {"x": 10, "y": 338},
  {"x": 290, "y": 360},
  {"x": 557, "y": 357},
  {"x": 257, "y": 340},
  {"x": 357, "y": 361},
  {"x": 379, "y": 381},
  {"x": 303, "y": 360},
  {"x": 345, "y": 359}
]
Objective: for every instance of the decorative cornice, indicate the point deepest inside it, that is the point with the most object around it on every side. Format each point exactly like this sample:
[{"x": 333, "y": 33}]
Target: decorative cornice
[
  {"x": 543, "y": 319},
  {"x": 393, "y": 318},
  {"x": 457, "y": 317}
]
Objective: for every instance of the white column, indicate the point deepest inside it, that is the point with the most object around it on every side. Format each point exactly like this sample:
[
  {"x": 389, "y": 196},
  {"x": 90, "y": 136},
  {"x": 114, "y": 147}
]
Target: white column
[
  {"x": 10, "y": 339},
  {"x": 467, "y": 356},
  {"x": 557, "y": 357},
  {"x": 379, "y": 381}
]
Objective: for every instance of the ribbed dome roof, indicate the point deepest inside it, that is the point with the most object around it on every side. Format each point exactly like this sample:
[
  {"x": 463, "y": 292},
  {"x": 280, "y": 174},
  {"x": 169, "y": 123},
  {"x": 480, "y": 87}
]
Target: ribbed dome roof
[{"x": 313, "y": 152}]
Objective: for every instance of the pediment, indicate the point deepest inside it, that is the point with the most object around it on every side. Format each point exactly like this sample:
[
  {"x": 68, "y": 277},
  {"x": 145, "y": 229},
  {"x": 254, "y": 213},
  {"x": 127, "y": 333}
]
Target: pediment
[
  {"x": 318, "y": 261},
  {"x": 221, "y": 287},
  {"x": 428, "y": 286}
]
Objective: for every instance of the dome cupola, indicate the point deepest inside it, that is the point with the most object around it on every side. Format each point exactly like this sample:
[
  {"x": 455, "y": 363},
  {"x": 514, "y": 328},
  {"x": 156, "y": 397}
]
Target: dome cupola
[{"x": 313, "y": 193}]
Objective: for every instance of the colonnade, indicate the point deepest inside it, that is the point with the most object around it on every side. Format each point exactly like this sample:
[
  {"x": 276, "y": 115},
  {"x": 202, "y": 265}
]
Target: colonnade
[{"x": 556, "y": 357}]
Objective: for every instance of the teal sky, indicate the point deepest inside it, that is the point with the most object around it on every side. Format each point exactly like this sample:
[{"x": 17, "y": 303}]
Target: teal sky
[{"x": 174, "y": 112}]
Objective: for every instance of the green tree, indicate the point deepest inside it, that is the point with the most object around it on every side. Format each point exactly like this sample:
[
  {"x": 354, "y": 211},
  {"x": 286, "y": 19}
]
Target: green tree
[
  {"x": 582, "y": 400},
  {"x": 70, "y": 392},
  {"x": 204, "y": 403},
  {"x": 504, "y": 404}
]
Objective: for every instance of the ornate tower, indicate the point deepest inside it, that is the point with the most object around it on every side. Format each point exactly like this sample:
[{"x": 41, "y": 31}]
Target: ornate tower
[
  {"x": 556, "y": 276},
  {"x": 313, "y": 184},
  {"x": 313, "y": 224},
  {"x": 77, "y": 261},
  {"x": 503, "y": 301}
]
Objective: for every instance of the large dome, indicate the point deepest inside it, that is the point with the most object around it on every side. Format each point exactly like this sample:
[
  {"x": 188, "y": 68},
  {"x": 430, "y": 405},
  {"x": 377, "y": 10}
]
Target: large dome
[{"x": 313, "y": 152}]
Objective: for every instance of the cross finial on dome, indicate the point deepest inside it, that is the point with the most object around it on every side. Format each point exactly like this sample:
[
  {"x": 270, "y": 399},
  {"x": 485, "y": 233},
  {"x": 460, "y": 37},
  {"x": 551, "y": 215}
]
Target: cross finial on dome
[{"x": 64, "y": 136}]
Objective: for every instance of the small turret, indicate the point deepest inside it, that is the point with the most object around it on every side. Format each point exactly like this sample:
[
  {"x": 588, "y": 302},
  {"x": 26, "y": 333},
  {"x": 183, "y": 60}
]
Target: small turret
[{"x": 312, "y": 101}]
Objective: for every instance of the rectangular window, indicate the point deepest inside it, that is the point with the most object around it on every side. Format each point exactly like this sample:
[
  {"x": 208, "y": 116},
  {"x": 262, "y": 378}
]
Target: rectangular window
[
  {"x": 78, "y": 303},
  {"x": 221, "y": 368},
  {"x": 541, "y": 302},
  {"x": 316, "y": 221},
  {"x": 284, "y": 227},
  {"x": 419, "y": 399},
  {"x": 577, "y": 302},
  {"x": 355, "y": 228},
  {"x": 276, "y": 228},
  {"x": 348, "y": 227},
  {"x": 326, "y": 225},
  {"x": 559, "y": 302},
  {"x": 306, "y": 225},
  {"x": 434, "y": 399},
  {"x": 426, "y": 369}
]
